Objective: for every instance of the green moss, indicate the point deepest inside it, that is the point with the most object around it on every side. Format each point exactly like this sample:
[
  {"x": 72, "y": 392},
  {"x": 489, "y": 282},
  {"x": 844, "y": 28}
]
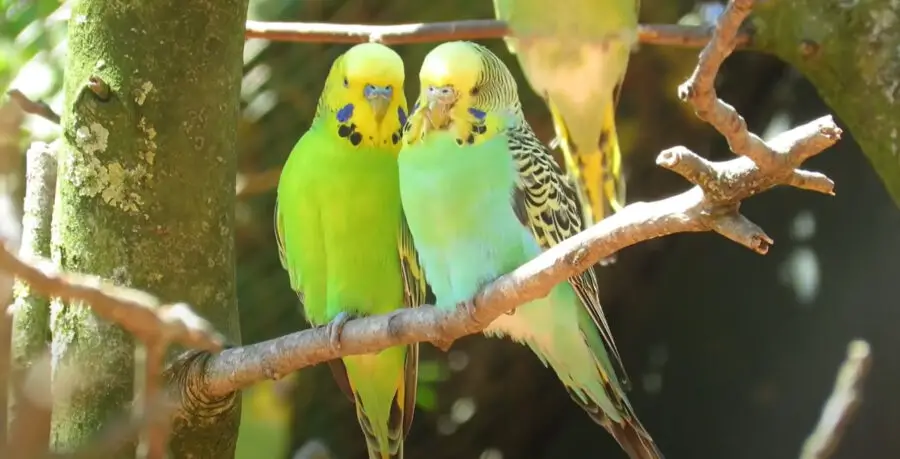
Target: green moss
[
  {"x": 850, "y": 51},
  {"x": 146, "y": 195}
]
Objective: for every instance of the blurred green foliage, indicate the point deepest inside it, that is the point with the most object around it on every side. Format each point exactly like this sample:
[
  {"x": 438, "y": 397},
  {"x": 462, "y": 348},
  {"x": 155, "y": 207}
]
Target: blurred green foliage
[{"x": 32, "y": 49}]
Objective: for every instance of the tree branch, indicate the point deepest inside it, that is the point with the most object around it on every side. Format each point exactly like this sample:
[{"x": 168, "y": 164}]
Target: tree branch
[
  {"x": 10, "y": 236},
  {"x": 138, "y": 312},
  {"x": 476, "y": 29},
  {"x": 473, "y": 29},
  {"x": 35, "y": 108},
  {"x": 842, "y": 404},
  {"x": 711, "y": 205},
  {"x": 154, "y": 438}
]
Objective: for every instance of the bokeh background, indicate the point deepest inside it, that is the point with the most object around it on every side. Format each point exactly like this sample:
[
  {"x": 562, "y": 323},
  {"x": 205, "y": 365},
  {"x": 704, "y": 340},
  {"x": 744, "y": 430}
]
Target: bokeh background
[{"x": 733, "y": 353}]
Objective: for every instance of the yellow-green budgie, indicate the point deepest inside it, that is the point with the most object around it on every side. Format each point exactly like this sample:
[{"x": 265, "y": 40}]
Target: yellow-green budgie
[
  {"x": 575, "y": 55},
  {"x": 482, "y": 196},
  {"x": 343, "y": 238}
]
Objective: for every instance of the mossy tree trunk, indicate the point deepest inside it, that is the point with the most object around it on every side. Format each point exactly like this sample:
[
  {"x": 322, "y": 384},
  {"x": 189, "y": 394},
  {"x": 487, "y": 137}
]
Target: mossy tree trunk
[
  {"x": 146, "y": 197},
  {"x": 850, "y": 51}
]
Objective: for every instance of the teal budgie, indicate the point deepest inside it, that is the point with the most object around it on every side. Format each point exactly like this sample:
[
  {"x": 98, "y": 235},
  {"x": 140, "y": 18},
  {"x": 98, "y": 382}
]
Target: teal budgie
[
  {"x": 575, "y": 57},
  {"x": 343, "y": 239},
  {"x": 482, "y": 196}
]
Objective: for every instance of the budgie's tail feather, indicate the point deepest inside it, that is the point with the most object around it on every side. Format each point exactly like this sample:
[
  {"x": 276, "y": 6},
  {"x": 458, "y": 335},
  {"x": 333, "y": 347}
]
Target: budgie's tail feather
[
  {"x": 401, "y": 412},
  {"x": 630, "y": 434},
  {"x": 596, "y": 171},
  {"x": 632, "y": 437},
  {"x": 394, "y": 447}
]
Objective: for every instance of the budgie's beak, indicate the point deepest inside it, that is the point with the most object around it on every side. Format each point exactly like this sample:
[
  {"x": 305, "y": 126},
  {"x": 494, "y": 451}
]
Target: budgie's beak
[
  {"x": 379, "y": 98},
  {"x": 440, "y": 99}
]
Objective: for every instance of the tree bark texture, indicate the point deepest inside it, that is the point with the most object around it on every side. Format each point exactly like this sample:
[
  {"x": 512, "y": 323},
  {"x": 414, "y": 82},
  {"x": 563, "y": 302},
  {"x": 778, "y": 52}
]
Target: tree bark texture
[
  {"x": 850, "y": 51},
  {"x": 146, "y": 198}
]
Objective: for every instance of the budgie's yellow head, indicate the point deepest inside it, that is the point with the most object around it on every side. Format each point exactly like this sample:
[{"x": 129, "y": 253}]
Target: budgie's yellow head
[
  {"x": 462, "y": 85},
  {"x": 363, "y": 99}
]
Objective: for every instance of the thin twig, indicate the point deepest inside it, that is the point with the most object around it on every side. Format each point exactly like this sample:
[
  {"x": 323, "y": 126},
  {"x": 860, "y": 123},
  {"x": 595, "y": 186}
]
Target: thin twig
[
  {"x": 138, "y": 312},
  {"x": 33, "y": 107},
  {"x": 155, "y": 434},
  {"x": 842, "y": 404},
  {"x": 476, "y": 29},
  {"x": 711, "y": 205}
]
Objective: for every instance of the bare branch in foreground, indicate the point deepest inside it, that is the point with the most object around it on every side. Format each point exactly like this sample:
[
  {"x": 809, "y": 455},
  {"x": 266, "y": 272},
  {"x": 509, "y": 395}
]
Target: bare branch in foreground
[
  {"x": 155, "y": 434},
  {"x": 711, "y": 205},
  {"x": 10, "y": 236},
  {"x": 476, "y": 29},
  {"x": 138, "y": 312},
  {"x": 35, "y": 108},
  {"x": 842, "y": 404}
]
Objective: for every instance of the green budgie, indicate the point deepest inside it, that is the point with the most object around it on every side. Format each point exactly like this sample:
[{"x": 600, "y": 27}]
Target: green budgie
[
  {"x": 575, "y": 58},
  {"x": 482, "y": 196},
  {"x": 343, "y": 239}
]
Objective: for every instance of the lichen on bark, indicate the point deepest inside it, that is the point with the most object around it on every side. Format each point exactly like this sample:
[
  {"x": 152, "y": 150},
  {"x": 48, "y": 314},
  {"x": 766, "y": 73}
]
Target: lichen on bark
[
  {"x": 146, "y": 195},
  {"x": 850, "y": 51}
]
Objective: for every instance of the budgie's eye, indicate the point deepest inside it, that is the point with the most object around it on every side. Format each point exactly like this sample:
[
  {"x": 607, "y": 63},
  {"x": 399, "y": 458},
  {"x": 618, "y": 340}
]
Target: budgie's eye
[
  {"x": 474, "y": 91},
  {"x": 390, "y": 87},
  {"x": 346, "y": 83}
]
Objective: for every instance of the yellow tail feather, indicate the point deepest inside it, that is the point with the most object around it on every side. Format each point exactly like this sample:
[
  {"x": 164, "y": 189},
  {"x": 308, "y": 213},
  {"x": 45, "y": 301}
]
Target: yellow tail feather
[{"x": 596, "y": 172}]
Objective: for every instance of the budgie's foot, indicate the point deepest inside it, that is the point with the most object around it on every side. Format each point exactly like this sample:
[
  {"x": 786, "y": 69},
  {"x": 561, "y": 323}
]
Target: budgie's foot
[
  {"x": 335, "y": 328},
  {"x": 467, "y": 307}
]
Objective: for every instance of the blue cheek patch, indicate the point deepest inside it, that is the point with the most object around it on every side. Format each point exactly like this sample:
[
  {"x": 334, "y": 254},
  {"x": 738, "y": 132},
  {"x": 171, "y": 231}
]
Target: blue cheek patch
[
  {"x": 344, "y": 114},
  {"x": 477, "y": 113},
  {"x": 402, "y": 115}
]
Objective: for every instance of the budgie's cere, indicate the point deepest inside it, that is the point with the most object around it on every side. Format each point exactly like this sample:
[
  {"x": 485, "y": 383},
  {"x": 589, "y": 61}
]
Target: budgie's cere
[
  {"x": 576, "y": 58},
  {"x": 342, "y": 236},
  {"x": 482, "y": 196}
]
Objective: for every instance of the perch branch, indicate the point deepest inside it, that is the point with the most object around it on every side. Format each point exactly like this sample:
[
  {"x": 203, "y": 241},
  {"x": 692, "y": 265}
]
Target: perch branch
[
  {"x": 138, "y": 312},
  {"x": 476, "y": 29},
  {"x": 310, "y": 32},
  {"x": 473, "y": 29},
  {"x": 711, "y": 205},
  {"x": 842, "y": 404},
  {"x": 35, "y": 108}
]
